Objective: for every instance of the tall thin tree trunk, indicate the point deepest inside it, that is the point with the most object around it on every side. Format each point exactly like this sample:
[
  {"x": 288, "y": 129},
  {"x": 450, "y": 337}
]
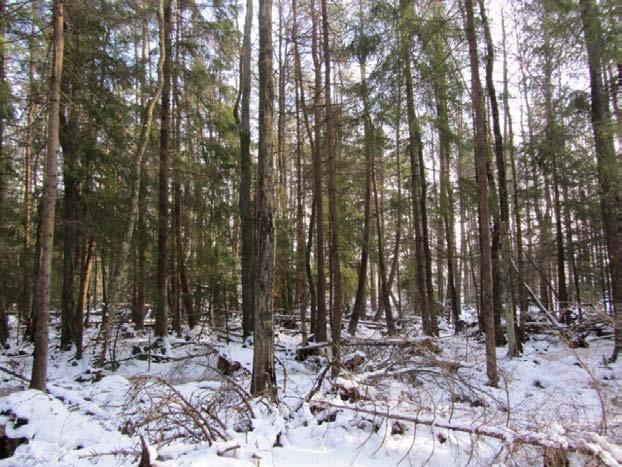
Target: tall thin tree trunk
[
  {"x": 359, "y": 301},
  {"x": 244, "y": 203},
  {"x": 4, "y": 166},
  {"x": 282, "y": 273},
  {"x": 504, "y": 209},
  {"x": 446, "y": 197},
  {"x": 426, "y": 235},
  {"x": 309, "y": 272},
  {"x": 321, "y": 335},
  {"x": 27, "y": 260},
  {"x": 42, "y": 299},
  {"x": 384, "y": 288},
  {"x": 300, "y": 240},
  {"x": 609, "y": 168},
  {"x": 68, "y": 137},
  {"x": 574, "y": 273},
  {"x": 335, "y": 267},
  {"x": 180, "y": 251},
  {"x": 301, "y": 102},
  {"x": 522, "y": 298},
  {"x": 394, "y": 273},
  {"x": 111, "y": 292},
  {"x": 414, "y": 145},
  {"x": 138, "y": 315},
  {"x": 482, "y": 182},
  {"x": 552, "y": 142},
  {"x": 263, "y": 382},
  {"x": 162, "y": 282},
  {"x": 85, "y": 279}
]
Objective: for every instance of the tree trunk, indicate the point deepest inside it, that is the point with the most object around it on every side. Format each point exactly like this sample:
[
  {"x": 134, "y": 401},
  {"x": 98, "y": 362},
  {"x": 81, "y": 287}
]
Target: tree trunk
[
  {"x": 85, "y": 278},
  {"x": 110, "y": 300},
  {"x": 282, "y": 274},
  {"x": 609, "y": 176},
  {"x": 414, "y": 145},
  {"x": 321, "y": 335},
  {"x": 446, "y": 197},
  {"x": 359, "y": 301},
  {"x": 68, "y": 137},
  {"x": 551, "y": 151},
  {"x": 426, "y": 235},
  {"x": 300, "y": 240},
  {"x": 25, "y": 306},
  {"x": 186, "y": 296},
  {"x": 138, "y": 315},
  {"x": 309, "y": 273},
  {"x": 384, "y": 288},
  {"x": 504, "y": 209},
  {"x": 394, "y": 273},
  {"x": 522, "y": 298},
  {"x": 162, "y": 311},
  {"x": 574, "y": 273},
  {"x": 42, "y": 299},
  {"x": 335, "y": 267},
  {"x": 263, "y": 381},
  {"x": 4, "y": 169},
  {"x": 482, "y": 183},
  {"x": 244, "y": 203}
]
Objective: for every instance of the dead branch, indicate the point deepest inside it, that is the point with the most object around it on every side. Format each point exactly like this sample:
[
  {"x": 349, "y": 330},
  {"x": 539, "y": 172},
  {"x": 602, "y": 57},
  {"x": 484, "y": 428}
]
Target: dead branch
[{"x": 586, "y": 443}]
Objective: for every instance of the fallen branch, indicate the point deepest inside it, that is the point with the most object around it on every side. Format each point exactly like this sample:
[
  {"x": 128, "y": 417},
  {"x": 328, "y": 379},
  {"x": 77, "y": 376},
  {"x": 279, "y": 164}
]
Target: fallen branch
[
  {"x": 14, "y": 374},
  {"x": 586, "y": 442},
  {"x": 390, "y": 342},
  {"x": 316, "y": 387}
]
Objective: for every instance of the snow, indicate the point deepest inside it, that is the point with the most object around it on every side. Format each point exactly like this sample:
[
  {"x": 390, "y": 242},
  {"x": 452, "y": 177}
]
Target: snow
[
  {"x": 56, "y": 435},
  {"x": 546, "y": 394}
]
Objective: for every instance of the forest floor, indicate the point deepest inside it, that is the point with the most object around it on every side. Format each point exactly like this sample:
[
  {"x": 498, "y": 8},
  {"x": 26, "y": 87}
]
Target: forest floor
[{"x": 412, "y": 402}]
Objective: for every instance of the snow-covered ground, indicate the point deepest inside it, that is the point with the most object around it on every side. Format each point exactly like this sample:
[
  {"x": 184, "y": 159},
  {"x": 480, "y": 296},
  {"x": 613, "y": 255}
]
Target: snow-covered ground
[{"x": 191, "y": 414}]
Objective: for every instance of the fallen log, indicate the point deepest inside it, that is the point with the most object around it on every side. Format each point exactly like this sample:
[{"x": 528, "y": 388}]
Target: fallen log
[
  {"x": 8, "y": 445},
  {"x": 425, "y": 342}
]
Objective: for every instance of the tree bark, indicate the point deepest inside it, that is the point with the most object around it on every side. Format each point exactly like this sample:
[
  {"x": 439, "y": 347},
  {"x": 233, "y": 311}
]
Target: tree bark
[
  {"x": 244, "y": 202},
  {"x": 85, "y": 279},
  {"x": 522, "y": 299},
  {"x": 552, "y": 153},
  {"x": 42, "y": 299},
  {"x": 162, "y": 307},
  {"x": 68, "y": 137},
  {"x": 414, "y": 145},
  {"x": 504, "y": 209},
  {"x": 482, "y": 183},
  {"x": 395, "y": 263},
  {"x": 263, "y": 382},
  {"x": 359, "y": 301},
  {"x": 320, "y": 335},
  {"x": 384, "y": 288},
  {"x": 335, "y": 267},
  {"x": 300, "y": 240},
  {"x": 138, "y": 315},
  {"x": 446, "y": 197},
  {"x": 4, "y": 166},
  {"x": 609, "y": 171},
  {"x": 27, "y": 260}
]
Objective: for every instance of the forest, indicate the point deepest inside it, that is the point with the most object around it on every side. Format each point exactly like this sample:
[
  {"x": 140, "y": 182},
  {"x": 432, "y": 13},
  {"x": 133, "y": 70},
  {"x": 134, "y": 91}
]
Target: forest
[{"x": 310, "y": 232}]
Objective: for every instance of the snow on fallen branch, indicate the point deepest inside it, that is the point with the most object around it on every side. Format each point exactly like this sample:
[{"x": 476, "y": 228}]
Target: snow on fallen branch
[
  {"x": 587, "y": 443},
  {"x": 424, "y": 342}
]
